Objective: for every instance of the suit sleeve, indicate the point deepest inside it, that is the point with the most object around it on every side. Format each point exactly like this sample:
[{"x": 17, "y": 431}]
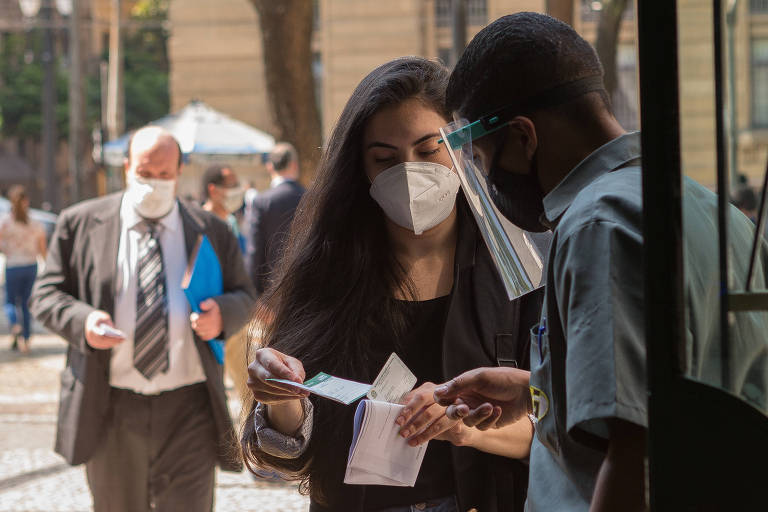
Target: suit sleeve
[
  {"x": 236, "y": 303},
  {"x": 54, "y": 300},
  {"x": 257, "y": 248}
]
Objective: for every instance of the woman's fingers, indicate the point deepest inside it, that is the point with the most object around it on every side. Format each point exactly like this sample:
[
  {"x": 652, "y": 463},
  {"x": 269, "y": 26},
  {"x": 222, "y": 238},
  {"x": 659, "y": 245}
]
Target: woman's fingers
[
  {"x": 269, "y": 364},
  {"x": 435, "y": 429},
  {"x": 421, "y": 419},
  {"x": 415, "y": 402}
]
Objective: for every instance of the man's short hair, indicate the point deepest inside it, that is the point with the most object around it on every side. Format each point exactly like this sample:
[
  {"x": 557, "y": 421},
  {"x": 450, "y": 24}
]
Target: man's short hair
[
  {"x": 282, "y": 155},
  {"x": 516, "y": 58},
  {"x": 213, "y": 175}
]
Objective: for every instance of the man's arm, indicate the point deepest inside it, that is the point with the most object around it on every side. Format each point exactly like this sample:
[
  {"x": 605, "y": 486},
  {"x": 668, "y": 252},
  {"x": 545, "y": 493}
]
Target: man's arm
[
  {"x": 54, "y": 299},
  {"x": 621, "y": 481}
]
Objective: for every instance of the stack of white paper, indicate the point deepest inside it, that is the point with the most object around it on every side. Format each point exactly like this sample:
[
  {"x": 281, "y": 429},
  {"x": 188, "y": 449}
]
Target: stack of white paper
[{"x": 379, "y": 455}]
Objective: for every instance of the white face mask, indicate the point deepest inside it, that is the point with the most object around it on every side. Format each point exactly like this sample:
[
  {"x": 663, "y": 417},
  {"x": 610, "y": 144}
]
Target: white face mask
[
  {"x": 233, "y": 198},
  {"x": 151, "y": 198},
  {"x": 416, "y": 195}
]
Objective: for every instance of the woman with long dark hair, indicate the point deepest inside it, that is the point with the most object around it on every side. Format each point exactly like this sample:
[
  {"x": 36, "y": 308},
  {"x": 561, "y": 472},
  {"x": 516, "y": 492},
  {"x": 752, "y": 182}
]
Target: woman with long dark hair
[
  {"x": 384, "y": 256},
  {"x": 22, "y": 240}
]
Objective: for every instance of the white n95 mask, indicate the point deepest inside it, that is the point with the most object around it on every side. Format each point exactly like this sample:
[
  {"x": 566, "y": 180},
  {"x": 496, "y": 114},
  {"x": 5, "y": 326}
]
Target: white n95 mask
[
  {"x": 151, "y": 198},
  {"x": 416, "y": 195}
]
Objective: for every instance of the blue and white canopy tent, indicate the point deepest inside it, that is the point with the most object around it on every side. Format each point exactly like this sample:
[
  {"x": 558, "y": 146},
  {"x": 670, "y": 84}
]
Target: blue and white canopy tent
[{"x": 204, "y": 134}]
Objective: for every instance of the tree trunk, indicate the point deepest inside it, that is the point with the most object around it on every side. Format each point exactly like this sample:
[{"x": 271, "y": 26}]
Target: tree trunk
[
  {"x": 561, "y": 9},
  {"x": 286, "y": 31},
  {"x": 608, "y": 39}
]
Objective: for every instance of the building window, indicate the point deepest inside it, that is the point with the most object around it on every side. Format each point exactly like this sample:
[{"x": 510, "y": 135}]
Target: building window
[
  {"x": 758, "y": 6},
  {"x": 444, "y": 55},
  {"x": 590, "y": 10},
  {"x": 317, "y": 75},
  {"x": 477, "y": 12},
  {"x": 625, "y": 100},
  {"x": 760, "y": 83}
]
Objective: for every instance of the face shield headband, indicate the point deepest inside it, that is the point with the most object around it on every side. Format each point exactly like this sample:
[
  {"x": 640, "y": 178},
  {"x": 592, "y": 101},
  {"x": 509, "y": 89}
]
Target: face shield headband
[{"x": 499, "y": 118}]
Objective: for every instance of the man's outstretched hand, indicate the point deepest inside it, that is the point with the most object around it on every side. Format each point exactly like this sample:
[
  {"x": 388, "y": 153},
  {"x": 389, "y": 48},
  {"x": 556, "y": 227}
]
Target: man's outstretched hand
[{"x": 486, "y": 397}]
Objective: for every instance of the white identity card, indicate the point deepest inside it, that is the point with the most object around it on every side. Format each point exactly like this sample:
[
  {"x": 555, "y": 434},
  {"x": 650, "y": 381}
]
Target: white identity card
[
  {"x": 394, "y": 381},
  {"x": 328, "y": 386},
  {"x": 379, "y": 455}
]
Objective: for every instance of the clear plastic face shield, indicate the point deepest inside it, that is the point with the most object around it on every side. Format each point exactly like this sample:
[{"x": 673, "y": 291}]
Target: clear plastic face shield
[{"x": 514, "y": 251}]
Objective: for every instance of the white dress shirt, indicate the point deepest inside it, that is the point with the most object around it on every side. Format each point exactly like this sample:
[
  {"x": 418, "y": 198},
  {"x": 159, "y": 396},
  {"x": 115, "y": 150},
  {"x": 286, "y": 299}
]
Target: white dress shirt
[
  {"x": 277, "y": 181},
  {"x": 184, "y": 367}
]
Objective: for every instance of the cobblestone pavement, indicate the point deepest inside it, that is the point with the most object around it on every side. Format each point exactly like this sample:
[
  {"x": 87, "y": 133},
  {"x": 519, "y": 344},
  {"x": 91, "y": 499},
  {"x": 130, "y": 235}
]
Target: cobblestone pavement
[{"x": 35, "y": 479}]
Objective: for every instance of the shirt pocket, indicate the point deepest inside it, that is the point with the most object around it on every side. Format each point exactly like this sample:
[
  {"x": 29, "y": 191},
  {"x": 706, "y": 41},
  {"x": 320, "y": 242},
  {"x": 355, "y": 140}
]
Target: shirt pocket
[{"x": 541, "y": 388}]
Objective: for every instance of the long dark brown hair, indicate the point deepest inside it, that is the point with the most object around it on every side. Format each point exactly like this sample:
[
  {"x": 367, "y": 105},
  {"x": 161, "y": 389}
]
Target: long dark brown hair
[
  {"x": 332, "y": 294},
  {"x": 19, "y": 209}
]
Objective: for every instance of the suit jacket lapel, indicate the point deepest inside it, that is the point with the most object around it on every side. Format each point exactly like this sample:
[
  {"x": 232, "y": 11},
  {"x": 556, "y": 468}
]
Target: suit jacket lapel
[
  {"x": 104, "y": 240},
  {"x": 193, "y": 227}
]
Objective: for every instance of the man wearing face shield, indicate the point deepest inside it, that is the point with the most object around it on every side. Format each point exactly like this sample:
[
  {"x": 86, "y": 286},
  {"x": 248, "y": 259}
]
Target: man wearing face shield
[
  {"x": 534, "y": 122},
  {"x": 142, "y": 401}
]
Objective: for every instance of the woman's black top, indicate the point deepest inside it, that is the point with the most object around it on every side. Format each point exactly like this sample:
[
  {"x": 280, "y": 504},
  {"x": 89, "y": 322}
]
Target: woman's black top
[
  {"x": 421, "y": 350},
  {"x": 480, "y": 327}
]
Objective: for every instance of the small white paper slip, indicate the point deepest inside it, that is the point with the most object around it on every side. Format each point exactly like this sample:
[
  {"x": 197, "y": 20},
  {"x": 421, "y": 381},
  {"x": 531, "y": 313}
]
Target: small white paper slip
[
  {"x": 393, "y": 382},
  {"x": 328, "y": 386},
  {"x": 109, "y": 332}
]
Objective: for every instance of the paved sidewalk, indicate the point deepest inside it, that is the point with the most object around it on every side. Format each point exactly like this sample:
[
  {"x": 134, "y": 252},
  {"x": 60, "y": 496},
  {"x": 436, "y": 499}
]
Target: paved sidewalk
[{"x": 34, "y": 479}]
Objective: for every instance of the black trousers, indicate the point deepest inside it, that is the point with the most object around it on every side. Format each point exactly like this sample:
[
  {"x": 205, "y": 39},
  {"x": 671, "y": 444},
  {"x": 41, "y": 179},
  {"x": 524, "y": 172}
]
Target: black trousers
[{"x": 158, "y": 454}]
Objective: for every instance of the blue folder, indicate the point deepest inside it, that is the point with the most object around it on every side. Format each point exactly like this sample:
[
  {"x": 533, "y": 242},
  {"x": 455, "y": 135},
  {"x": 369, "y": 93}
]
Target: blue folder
[{"x": 203, "y": 280}]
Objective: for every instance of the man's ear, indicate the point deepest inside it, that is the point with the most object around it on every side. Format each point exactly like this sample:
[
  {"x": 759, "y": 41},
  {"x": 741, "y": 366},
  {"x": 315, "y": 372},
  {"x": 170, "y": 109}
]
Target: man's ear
[
  {"x": 519, "y": 145},
  {"x": 526, "y": 131}
]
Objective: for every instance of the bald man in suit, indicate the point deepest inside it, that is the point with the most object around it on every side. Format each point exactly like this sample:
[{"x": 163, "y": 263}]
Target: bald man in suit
[{"x": 142, "y": 399}]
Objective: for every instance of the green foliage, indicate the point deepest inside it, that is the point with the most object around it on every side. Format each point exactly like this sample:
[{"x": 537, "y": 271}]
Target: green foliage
[
  {"x": 145, "y": 78},
  {"x": 21, "y": 77}
]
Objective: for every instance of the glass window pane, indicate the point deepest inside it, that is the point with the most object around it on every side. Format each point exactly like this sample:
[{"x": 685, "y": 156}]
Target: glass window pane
[
  {"x": 760, "y": 83},
  {"x": 740, "y": 365}
]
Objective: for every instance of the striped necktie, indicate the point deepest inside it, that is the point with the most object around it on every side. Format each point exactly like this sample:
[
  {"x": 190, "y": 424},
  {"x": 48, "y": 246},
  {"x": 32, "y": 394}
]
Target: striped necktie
[{"x": 150, "y": 350}]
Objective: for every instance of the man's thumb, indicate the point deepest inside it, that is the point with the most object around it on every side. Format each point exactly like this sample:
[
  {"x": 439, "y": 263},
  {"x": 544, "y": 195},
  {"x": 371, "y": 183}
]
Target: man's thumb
[{"x": 207, "y": 304}]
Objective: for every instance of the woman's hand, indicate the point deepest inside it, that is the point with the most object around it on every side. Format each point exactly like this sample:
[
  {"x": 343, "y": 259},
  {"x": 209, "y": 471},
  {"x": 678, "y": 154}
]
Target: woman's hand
[
  {"x": 269, "y": 364},
  {"x": 422, "y": 419}
]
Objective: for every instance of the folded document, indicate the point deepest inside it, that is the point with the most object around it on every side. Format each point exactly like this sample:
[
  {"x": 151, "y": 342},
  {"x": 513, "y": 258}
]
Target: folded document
[{"x": 378, "y": 454}]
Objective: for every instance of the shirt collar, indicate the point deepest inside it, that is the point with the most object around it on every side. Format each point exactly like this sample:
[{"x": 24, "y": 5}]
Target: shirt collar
[
  {"x": 277, "y": 181},
  {"x": 608, "y": 157},
  {"x": 171, "y": 221}
]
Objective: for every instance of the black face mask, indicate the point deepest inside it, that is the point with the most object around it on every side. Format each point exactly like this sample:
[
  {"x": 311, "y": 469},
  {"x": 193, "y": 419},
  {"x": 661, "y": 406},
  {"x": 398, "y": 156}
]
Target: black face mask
[{"x": 517, "y": 196}]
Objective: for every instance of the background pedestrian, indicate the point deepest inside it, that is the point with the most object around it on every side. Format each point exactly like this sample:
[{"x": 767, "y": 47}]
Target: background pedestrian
[
  {"x": 269, "y": 215},
  {"x": 22, "y": 240}
]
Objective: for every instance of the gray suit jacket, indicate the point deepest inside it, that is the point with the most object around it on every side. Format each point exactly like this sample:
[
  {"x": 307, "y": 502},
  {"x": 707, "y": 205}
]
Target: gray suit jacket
[{"x": 80, "y": 277}]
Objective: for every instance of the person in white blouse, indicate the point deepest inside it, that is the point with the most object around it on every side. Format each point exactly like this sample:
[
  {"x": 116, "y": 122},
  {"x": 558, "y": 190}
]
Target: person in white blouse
[{"x": 22, "y": 240}]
